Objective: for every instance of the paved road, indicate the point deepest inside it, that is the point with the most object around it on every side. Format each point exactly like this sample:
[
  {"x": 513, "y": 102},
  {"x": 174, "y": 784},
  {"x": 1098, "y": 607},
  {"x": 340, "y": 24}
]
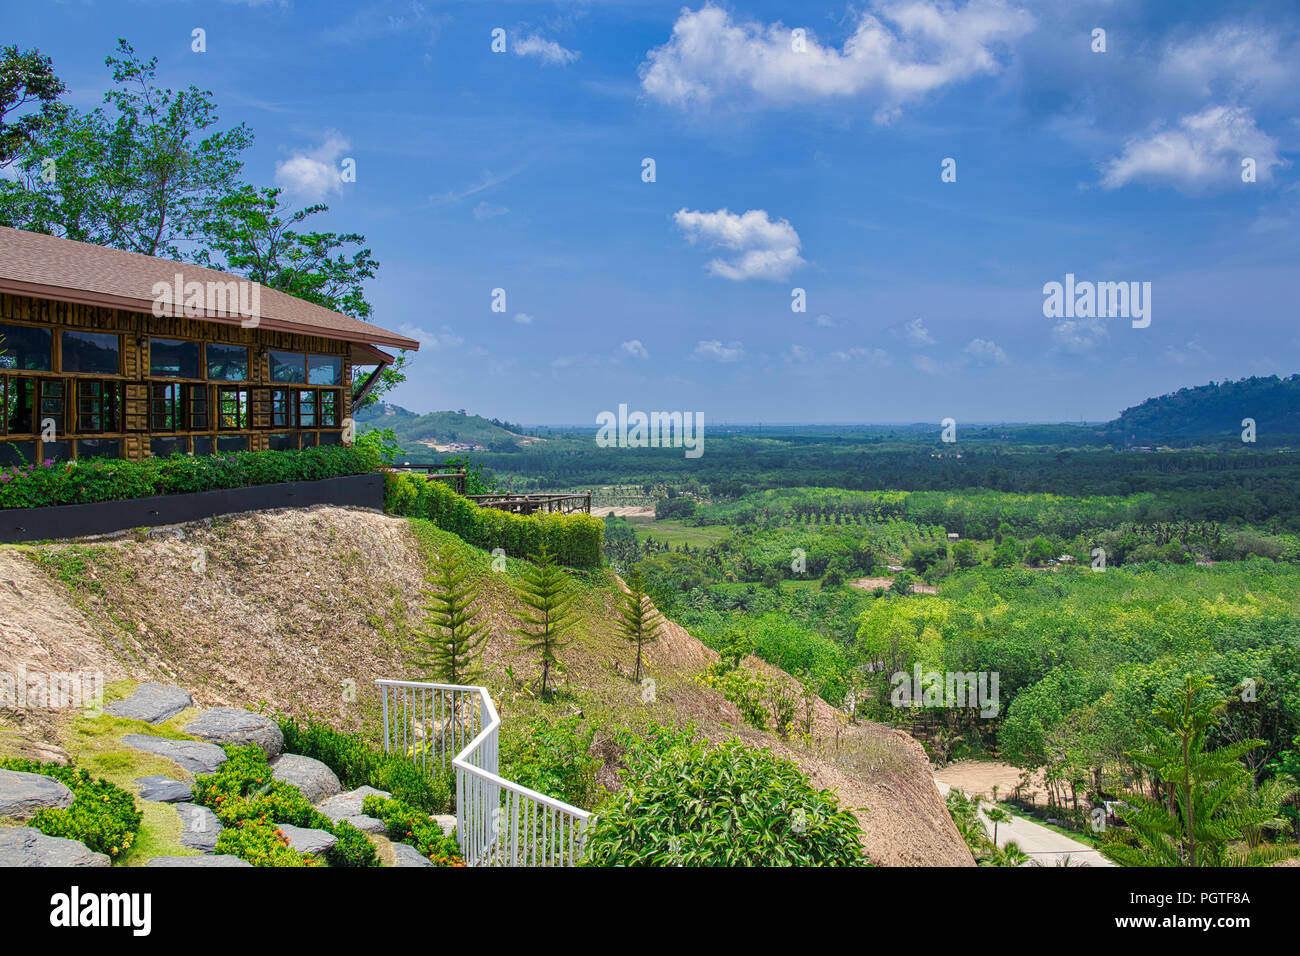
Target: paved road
[{"x": 1043, "y": 845}]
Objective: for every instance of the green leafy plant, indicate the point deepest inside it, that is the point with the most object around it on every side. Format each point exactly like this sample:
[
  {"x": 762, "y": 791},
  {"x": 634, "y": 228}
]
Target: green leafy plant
[
  {"x": 548, "y": 612},
  {"x": 407, "y": 825},
  {"x": 687, "y": 803},
  {"x": 452, "y": 636},
  {"x": 102, "y": 816},
  {"x": 638, "y": 621},
  {"x": 554, "y": 758}
]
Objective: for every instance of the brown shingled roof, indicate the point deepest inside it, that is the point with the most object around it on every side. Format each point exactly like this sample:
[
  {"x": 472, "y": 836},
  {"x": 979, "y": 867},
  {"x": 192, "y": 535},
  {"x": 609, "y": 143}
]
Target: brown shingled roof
[{"x": 47, "y": 267}]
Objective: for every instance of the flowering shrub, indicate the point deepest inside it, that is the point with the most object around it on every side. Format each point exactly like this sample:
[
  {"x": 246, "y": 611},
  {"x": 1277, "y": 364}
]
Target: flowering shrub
[
  {"x": 102, "y": 816},
  {"x": 111, "y": 479},
  {"x": 406, "y": 825}
]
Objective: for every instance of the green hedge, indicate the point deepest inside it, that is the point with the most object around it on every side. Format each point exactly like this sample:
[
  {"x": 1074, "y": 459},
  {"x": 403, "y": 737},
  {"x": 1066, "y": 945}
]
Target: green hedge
[
  {"x": 574, "y": 539},
  {"x": 102, "y": 816},
  {"x": 111, "y": 479}
]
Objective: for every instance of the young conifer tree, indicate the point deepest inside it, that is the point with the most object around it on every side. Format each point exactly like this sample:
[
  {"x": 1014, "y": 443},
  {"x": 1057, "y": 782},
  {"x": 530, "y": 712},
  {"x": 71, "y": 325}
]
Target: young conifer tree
[
  {"x": 452, "y": 636},
  {"x": 548, "y": 611},
  {"x": 638, "y": 620}
]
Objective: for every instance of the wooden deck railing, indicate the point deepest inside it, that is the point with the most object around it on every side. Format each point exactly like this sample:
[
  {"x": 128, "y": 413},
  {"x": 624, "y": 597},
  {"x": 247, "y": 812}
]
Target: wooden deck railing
[{"x": 531, "y": 504}]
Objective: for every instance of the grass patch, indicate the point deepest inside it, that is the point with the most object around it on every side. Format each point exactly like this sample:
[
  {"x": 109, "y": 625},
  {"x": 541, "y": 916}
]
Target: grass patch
[{"x": 675, "y": 532}]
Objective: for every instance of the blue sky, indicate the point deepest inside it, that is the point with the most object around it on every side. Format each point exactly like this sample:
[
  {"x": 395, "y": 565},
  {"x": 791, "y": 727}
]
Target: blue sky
[{"x": 776, "y": 168}]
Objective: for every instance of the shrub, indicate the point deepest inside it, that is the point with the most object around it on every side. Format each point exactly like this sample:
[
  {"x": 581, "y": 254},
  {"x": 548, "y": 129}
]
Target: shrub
[
  {"x": 356, "y": 762},
  {"x": 110, "y": 479},
  {"x": 102, "y": 816},
  {"x": 248, "y": 799},
  {"x": 406, "y": 825},
  {"x": 554, "y": 759},
  {"x": 261, "y": 844},
  {"x": 574, "y": 539},
  {"x": 687, "y": 803}
]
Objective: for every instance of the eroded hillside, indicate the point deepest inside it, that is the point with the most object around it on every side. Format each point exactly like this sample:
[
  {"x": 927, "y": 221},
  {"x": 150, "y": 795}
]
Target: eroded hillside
[{"x": 300, "y": 611}]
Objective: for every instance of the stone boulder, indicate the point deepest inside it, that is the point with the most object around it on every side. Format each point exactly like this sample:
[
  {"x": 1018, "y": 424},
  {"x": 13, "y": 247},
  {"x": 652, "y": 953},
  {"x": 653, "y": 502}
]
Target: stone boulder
[
  {"x": 311, "y": 842},
  {"x": 200, "y": 827},
  {"x": 406, "y": 855},
  {"x": 162, "y": 789},
  {"x": 152, "y": 703},
  {"x": 25, "y": 846},
  {"x": 313, "y": 778},
  {"x": 347, "y": 806},
  {"x": 193, "y": 755},
  {"x": 228, "y": 725},
  {"x": 22, "y": 794}
]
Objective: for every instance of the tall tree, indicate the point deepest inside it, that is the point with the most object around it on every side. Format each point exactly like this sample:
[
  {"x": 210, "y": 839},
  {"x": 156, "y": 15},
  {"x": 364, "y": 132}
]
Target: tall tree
[
  {"x": 638, "y": 620},
  {"x": 548, "y": 611},
  {"x": 1207, "y": 793},
  {"x": 452, "y": 635},
  {"x": 26, "y": 80},
  {"x": 152, "y": 177}
]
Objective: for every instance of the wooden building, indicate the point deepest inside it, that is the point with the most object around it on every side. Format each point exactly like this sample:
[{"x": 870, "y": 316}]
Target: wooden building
[{"x": 105, "y": 353}]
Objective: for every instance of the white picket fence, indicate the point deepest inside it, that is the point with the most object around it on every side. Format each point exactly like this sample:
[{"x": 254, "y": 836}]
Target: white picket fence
[{"x": 498, "y": 823}]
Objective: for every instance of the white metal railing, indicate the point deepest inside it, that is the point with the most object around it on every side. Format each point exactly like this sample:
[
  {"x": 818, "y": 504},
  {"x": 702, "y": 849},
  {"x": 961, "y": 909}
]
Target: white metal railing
[{"x": 498, "y": 823}]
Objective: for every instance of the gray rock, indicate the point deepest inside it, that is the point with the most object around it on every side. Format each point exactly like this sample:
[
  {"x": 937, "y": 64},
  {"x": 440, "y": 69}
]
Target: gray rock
[
  {"x": 152, "y": 703},
  {"x": 227, "y": 725},
  {"x": 445, "y": 820},
  {"x": 24, "y": 846},
  {"x": 22, "y": 794},
  {"x": 406, "y": 855},
  {"x": 348, "y": 804},
  {"x": 164, "y": 789},
  {"x": 205, "y": 860},
  {"x": 366, "y": 824},
  {"x": 201, "y": 827},
  {"x": 193, "y": 755},
  {"x": 313, "y": 778},
  {"x": 312, "y": 842}
]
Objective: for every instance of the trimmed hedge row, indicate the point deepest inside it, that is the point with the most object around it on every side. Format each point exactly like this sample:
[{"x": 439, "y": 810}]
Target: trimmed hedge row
[
  {"x": 111, "y": 479},
  {"x": 574, "y": 539}
]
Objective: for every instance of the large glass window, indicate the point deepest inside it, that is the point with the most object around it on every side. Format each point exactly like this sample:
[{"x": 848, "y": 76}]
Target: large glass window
[
  {"x": 283, "y": 441},
  {"x": 324, "y": 370},
  {"x": 94, "y": 352},
  {"x": 163, "y": 447},
  {"x": 17, "y": 453},
  {"x": 165, "y": 411},
  {"x": 232, "y": 408},
  {"x": 282, "y": 408},
  {"x": 329, "y": 408},
  {"x": 19, "y": 401},
  {"x": 25, "y": 348},
  {"x": 198, "y": 408},
  {"x": 232, "y": 443},
  {"x": 53, "y": 405},
  {"x": 288, "y": 366},
  {"x": 98, "y": 407},
  {"x": 99, "y": 448},
  {"x": 227, "y": 363},
  {"x": 173, "y": 358},
  {"x": 306, "y": 408}
]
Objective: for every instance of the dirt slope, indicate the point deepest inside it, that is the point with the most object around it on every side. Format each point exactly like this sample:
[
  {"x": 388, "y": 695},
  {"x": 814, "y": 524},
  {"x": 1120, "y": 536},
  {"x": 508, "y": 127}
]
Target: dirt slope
[{"x": 301, "y": 610}]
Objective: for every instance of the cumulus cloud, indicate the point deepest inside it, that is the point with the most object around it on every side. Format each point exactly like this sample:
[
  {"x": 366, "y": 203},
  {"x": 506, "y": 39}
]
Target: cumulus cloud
[
  {"x": 911, "y": 48},
  {"x": 825, "y": 321},
  {"x": 548, "y": 51},
  {"x": 313, "y": 174},
  {"x": 1230, "y": 57},
  {"x": 858, "y": 354},
  {"x": 917, "y": 334},
  {"x": 443, "y": 338},
  {"x": 1079, "y": 336},
  {"x": 1205, "y": 149},
  {"x": 634, "y": 348},
  {"x": 714, "y": 349},
  {"x": 763, "y": 249},
  {"x": 985, "y": 352},
  {"x": 523, "y": 318}
]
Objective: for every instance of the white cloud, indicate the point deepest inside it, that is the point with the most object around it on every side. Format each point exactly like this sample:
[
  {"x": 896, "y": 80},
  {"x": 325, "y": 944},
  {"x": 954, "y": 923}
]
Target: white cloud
[
  {"x": 800, "y": 353},
  {"x": 444, "y": 338},
  {"x": 764, "y": 249},
  {"x": 1078, "y": 336},
  {"x": 824, "y": 321},
  {"x": 1205, "y": 149},
  {"x": 714, "y": 349},
  {"x": 923, "y": 363},
  {"x": 916, "y": 333},
  {"x": 313, "y": 174},
  {"x": 634, "y": 348},
  {"x": 1233, "y": 57},
  {"x": 1193, "y": 353},
  {"x": 910, "y": 49},
  {"x": 870, "y": 356},
  {"x": 985, "y": 352},
  {"x": 523, "y": 318},
  {"x": 548, "y": 51},
  {"x": 486, "y": 210}
]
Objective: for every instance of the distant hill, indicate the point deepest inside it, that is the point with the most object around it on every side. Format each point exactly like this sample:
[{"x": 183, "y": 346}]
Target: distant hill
[
  {"x": 1211, "y": 414},
  {"x": 442, "y": 431}
]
